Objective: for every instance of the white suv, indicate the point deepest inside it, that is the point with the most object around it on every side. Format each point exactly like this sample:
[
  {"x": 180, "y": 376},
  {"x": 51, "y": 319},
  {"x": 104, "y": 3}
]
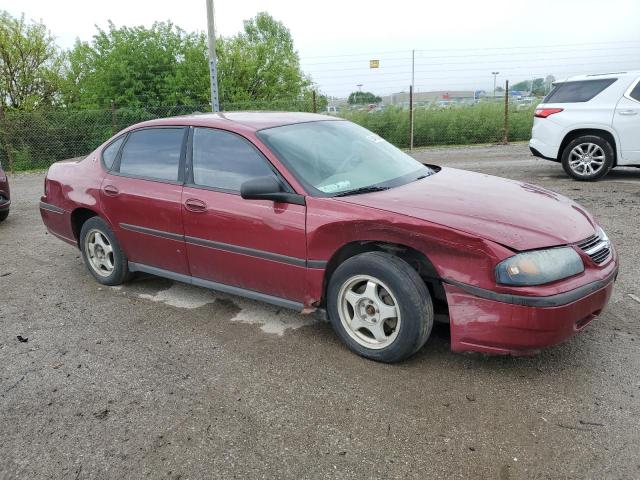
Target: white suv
[{"x": 590, "y": 123}]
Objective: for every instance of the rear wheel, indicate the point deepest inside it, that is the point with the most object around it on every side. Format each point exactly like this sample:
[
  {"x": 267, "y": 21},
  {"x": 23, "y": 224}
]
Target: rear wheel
[
  {"x": 588, "y": 158},
  {"x": 102, "y": 254},
  {"x": 380, "y": 307}
]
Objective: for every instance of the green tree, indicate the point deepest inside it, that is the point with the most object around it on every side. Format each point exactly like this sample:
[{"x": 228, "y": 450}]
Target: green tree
[
  {"x": 359, "y": 98},
  {"x": 138, "y": 66},
  {"x": 260, "y": 63},
  {"x": 536, "y": 86},
  {"x": 30, "y": 64},
  {"x": 165, "y": 66}
]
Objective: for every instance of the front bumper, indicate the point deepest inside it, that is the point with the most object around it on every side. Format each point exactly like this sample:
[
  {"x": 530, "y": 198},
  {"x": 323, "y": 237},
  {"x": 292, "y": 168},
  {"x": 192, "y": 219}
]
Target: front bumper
[{"x": 518, "y": 327}]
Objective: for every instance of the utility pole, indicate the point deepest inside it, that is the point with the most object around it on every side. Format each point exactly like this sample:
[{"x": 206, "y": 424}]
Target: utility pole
[
  {"x": 213, "y": 68},
  {"x": 411, "y": 91},
  {"x": 495, "y": 75}
]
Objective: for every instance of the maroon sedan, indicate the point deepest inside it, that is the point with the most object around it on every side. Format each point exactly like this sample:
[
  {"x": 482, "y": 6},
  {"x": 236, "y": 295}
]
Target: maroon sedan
[
  {"x": 315, "y": 213},
  {"x": 5, "y": 195}
]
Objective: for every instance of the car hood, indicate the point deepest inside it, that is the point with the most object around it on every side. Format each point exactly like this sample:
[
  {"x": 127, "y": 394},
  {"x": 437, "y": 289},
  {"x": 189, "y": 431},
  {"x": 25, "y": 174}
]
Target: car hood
[{"x": 517, "y": 215}]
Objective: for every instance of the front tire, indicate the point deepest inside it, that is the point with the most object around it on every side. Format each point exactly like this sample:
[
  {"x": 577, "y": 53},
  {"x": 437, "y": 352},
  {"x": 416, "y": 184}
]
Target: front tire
[
  {"x": 380, "y": 307},
  {"x": 4, "y": 215},
  {"x": 102, "y": 254},
  {"x": 588, "y": 158}
]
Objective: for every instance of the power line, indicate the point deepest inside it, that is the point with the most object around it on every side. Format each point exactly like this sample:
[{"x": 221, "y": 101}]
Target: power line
[
  {"x": 382, "y": 69},
  {"x": 476, "y": 49},
  {"x": 452, "y": 70},
  {"x": 518, "y": 54}
]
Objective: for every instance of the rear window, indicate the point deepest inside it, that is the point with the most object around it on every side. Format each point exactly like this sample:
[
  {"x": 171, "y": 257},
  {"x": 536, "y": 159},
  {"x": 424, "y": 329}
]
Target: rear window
[
  {"x": 110, "y": 152},
  {"x": 575, "y": 92}
]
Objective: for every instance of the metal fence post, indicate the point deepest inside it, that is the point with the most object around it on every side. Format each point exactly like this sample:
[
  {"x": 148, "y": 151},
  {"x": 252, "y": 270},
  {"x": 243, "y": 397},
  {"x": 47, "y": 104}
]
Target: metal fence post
[
  {"x": 410, "y": 117},
  {"x": 113, "y": 118},
  {"x": 315, "y": 101},
  {"x": 505, "y": 138}
]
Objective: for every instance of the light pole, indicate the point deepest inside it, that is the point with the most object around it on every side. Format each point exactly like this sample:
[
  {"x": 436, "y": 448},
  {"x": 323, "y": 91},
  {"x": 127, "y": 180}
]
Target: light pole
[
  {"x": 213, "y": 68},
  {"x": 495, "y": 75},
  {"x": 359, "y": 85}
]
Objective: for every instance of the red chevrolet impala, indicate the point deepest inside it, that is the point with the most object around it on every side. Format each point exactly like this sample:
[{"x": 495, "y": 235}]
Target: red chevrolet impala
[{"x": 315, "y": 213}]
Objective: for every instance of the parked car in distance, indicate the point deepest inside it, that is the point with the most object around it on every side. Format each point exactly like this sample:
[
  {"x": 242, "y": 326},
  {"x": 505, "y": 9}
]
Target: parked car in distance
[
  {"x": 591, "y": 124},
  {"x": 315, "y": 213},
  {"x": 5, "y": 195}
]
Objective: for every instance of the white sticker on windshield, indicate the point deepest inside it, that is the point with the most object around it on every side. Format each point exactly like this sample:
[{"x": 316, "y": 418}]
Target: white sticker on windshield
[
  {"x": 375, "y": 138},
  {"x": 334, "y": 187}
]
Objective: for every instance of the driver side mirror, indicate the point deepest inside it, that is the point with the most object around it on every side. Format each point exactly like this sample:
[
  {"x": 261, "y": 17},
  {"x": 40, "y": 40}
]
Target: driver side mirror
[{"x": 268, "y": 188}]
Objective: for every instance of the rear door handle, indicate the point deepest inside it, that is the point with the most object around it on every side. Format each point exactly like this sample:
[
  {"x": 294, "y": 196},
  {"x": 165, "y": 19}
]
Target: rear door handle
[
  {"x": 195, "y": 205},
  {"x": 627, "y": 112},
  {"x": 111, "y": 190}
]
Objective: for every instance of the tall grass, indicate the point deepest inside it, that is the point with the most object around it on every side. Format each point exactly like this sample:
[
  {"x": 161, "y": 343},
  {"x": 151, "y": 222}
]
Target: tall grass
[{"x": 463, "y": 125}]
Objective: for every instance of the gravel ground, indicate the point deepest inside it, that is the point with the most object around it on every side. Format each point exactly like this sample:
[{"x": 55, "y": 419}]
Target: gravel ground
[{"x": 161, "y": 380}]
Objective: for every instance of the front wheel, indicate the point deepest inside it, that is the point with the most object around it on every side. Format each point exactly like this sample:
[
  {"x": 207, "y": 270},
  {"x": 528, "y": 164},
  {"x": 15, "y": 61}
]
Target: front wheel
[
  {"x": 588, "y": 158},
  {"x": 102, "y": 254},
  {"x": 380, "y": 307},
  {"x": 4, "y": 215}
]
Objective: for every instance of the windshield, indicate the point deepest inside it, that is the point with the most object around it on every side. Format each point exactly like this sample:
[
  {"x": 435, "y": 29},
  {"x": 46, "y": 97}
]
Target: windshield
[{"x": 338, "y": 157}]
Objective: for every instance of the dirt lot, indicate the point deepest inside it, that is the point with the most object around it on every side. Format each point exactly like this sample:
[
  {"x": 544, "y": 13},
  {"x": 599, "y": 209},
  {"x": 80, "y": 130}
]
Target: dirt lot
[{"x": 162, "y": 380}]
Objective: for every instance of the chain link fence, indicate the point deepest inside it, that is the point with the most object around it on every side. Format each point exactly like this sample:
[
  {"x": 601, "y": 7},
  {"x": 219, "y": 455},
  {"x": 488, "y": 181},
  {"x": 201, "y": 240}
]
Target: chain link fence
[{"x": 34, "y": 140}]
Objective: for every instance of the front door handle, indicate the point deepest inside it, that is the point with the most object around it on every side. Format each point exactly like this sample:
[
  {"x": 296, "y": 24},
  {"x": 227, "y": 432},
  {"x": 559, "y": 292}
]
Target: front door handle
[
  {"x": 627, "y": 112},
  {"x": 195, "y": 205},
  {"x": 110, "y": 190}
]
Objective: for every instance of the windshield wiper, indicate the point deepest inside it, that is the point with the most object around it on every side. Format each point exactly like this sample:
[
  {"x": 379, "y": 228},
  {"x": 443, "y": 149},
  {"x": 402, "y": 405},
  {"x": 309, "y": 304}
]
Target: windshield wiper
[{"x": 358, "y": 191}]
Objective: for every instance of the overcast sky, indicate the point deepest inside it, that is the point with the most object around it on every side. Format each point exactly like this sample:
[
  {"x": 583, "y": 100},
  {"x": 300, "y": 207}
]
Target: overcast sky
[{"x": 458, "y": 43}]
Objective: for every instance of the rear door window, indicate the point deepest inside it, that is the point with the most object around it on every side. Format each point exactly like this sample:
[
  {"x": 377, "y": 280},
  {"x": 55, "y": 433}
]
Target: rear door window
[
  {"x": 577, "y": 92},
  {"x": 153, "y": 153}
]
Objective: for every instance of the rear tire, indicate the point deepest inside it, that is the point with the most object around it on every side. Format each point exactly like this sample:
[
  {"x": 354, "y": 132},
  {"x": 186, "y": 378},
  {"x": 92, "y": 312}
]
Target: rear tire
[
  {"x": 4, "y": 215},
  {"x": 102, "y": 254},
  {"x": 588, "y": 158},
  {"x": 380, "y": 307}
]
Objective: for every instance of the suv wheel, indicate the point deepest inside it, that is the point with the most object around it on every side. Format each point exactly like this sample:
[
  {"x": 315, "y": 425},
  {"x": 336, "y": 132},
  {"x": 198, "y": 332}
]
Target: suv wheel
[
  {"x": 380, "y": 307},
  {"x": 587, "y": 158}
]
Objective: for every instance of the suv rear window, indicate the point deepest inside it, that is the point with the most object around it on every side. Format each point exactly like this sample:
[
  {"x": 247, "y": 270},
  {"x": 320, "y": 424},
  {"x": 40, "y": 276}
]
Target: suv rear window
[
  {"x": 575, "y": 92},
  {"x": 635, "y": 93}
]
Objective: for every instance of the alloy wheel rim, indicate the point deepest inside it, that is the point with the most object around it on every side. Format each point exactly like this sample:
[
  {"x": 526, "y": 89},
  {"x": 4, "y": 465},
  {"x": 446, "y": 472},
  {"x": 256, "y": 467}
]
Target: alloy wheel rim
[
  {"x": 99, "y": 253},
  {"x": 369, "y": 312},
  {"x": 586, "y": 159}
]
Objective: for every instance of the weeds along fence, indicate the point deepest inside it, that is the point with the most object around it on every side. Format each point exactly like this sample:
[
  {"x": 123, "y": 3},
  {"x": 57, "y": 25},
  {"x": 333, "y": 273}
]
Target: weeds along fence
[
  {"x": 34, "y": 140},
  {"x": 481, "y": 123}
]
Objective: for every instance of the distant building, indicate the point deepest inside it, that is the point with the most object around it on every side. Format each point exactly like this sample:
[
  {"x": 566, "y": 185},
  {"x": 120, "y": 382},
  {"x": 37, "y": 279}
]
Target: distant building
[{"x": 426, "y": 98}]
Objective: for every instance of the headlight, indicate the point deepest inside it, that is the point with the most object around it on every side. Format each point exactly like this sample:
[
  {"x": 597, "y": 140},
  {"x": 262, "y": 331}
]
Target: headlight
[{"x": 539, "y": 267}]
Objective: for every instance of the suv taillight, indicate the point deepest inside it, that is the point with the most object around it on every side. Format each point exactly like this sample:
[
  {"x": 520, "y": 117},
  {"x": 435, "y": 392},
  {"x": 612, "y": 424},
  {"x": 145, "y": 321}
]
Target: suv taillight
[{"x": 546, "y": 112}]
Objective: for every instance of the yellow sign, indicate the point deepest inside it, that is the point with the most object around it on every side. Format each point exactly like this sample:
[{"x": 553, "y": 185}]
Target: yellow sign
[{"x": 374, "y": 63}]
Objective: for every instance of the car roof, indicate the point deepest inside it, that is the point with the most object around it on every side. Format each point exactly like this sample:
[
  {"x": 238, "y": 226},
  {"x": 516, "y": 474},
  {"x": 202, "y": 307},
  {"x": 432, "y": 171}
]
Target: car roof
[
  {"x": 248, "y": 120},
  {"x": 598, "y": 76}
]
